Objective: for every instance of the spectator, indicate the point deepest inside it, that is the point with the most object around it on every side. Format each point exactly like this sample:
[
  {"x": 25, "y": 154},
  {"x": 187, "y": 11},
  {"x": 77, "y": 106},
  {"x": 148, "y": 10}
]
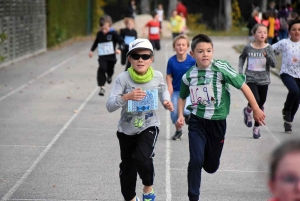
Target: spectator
[
  {"x": 253, "y": 20},
  {"x": 131, "y": 9},
  {"x": 283, "y": 15},
  {"x": 271, "y": 7},
  {"x": 180, "y": 8}
]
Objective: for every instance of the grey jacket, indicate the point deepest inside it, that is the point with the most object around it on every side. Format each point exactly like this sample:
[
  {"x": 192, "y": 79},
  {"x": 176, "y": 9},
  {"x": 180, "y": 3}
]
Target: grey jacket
[
  {"x": 258, "y": 65},
  {"x": 128, "y": 121}
]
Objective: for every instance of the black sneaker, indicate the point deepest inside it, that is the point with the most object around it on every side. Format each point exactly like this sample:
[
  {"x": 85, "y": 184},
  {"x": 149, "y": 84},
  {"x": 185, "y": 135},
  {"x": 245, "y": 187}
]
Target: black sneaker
[
  {"x": 287, "y": 127},
  {"x": 187, "y": 119},
  {"x": 177, "y": 135},
  {"x": 102, "y": 91},
  {"x": 108, "y": 79},
  {"x": 286, "y": 116}
]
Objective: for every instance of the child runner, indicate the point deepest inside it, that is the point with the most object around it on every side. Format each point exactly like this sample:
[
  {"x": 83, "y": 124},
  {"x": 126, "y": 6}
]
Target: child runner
[
  {"x": 176, "y": 68},
  {"x": 128, "y": 34},
  {"x": 260, "y": 57},
  {"x": 154, "y": 31},
  {"x": 290, "y": 72},
  {"x": 160, "y": 12},
  {"x": 106, "y": 41},
  {"x": 175, "y": 24},
  {"x": 207, "y": 83},
  {"x": 138, "y": 130},
  {"x": 284, "y": 172}
]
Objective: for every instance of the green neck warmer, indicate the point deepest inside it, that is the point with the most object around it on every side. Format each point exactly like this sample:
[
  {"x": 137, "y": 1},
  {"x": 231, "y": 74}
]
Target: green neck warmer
[{"x": 141, "y": 78}]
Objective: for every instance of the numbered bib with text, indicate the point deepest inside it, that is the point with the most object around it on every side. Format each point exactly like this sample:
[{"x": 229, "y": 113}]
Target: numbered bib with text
[
  {"x": 202, "y": 94},
  {"x": 154, "y": 30},
  {"x": 105, "y": 48}
]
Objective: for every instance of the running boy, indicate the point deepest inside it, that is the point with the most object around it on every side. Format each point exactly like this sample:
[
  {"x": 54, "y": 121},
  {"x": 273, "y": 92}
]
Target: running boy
[
  {"x": 177, "y": 65},
  {"x": 290, "y": 72},
  {"x": 153, "y": 31},
  {"x": 137, "y": 91},
  {"x": 260, "y": 57},
  {"x": 207, "y": 83},
  {"x": 106, "y": 41},
  {"x": 128, "y": 34}
]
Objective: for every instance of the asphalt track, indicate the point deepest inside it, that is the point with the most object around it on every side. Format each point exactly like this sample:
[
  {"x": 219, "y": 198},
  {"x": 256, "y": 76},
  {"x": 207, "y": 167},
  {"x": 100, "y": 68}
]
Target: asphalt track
[{"x": 58, "y": 142}]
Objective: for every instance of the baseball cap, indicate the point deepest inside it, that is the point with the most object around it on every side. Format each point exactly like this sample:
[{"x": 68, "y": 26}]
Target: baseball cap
[{"x": 140, "y": 43}]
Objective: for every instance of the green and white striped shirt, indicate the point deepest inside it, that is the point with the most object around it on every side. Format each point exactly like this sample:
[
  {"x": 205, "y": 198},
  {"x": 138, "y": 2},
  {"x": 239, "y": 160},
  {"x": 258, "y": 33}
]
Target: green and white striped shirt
[{"x": 209, "y": 89}]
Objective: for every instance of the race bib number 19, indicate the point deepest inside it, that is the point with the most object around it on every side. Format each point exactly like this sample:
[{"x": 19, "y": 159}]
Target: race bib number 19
[
  {"x": 105, "y": 48},
  {"x": 202, "y": 94}
]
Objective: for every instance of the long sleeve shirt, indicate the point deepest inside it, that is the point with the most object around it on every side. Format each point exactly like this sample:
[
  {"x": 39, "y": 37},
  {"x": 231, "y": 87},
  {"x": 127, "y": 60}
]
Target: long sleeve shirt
[
  {"x": 290, "y": 56},
  {"x": 106, "y": 44},
  {"x": 128, "y": 121},
  {"x": 258, "y": 65}
]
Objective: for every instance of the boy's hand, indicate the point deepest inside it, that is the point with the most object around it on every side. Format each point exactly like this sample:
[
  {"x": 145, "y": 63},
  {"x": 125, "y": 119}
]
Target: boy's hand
[
  {"x": 118, "y": 51},
  {"x": 90, "y": 54},
  {"x": 136, "y": 94},
  {"x": 259, "y": 116},
  {"x": 168, "y": 105},
  {"x": 180, "y": 121}
]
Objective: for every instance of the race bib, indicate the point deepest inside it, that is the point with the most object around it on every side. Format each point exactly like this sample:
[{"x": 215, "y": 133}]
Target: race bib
[
  {"x": 154, "y": 30},
  {"x": 257, "y": 64},
  {"x": 202, "y": 94},
  {"x": 128, "y": 39},
  {"x": 105, "y": 48},
  {"x": 148, "y": 103}
]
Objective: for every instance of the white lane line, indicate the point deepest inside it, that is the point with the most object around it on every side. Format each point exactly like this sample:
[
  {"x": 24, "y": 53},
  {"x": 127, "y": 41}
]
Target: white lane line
[
  {"x": 265, "y": 126},
  {"x": 45, "y": 151},
  {"x": 168, "y": 145},
  {"x": 41, "y": 75}
]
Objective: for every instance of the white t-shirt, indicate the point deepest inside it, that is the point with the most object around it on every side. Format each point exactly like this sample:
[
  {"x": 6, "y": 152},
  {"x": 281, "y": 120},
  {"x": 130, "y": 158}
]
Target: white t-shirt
[
  {"x": 290, "y": 56},
  {"x": 160, "y": 14}
]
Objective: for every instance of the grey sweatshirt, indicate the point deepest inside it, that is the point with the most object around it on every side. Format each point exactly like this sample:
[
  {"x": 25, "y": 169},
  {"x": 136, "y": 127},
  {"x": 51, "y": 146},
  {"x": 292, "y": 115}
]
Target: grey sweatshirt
[
  {"x": 128, "y": 121},
  {"x": 258, "y": 65}
]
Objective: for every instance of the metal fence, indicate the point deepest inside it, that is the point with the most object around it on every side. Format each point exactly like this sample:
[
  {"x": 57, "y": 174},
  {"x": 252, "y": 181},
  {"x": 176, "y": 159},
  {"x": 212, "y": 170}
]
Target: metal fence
[{"x": 24, "y": 24}]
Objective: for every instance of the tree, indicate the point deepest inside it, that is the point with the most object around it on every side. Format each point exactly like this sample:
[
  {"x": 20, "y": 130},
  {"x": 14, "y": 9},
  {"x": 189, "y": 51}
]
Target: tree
[
  {"x": 263, "y": 5},
  {"x": 227, "y": 12},
  {"x": 145, "y": 7},
  {"x": 172, "y": 6}
]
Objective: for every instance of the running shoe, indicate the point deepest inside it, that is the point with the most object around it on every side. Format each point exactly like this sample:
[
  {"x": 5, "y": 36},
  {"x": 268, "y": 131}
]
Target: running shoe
[
  {"x": 177, "y": 135},
  {"x": 286, "y": 116},
  {"x": 287, "y": 127},
  {"x": 247, "y": 118},
  {"x": 102, "y": 92},
  {"x": 109, "y": 79},
  {"x": 256, "y": 132},
  {"x": 187, "y": 119},
  {"x": 149, "y": 197}
]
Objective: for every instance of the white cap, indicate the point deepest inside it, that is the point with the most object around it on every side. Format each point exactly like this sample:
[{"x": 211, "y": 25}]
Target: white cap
[{"x": 140, "y": 43}]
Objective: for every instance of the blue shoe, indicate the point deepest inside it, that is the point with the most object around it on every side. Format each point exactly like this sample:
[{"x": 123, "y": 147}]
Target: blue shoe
[
  {"x": 247, "y": 118},
  {"x": 256, "y": 132},
  {"x": 149, "y": 197}
]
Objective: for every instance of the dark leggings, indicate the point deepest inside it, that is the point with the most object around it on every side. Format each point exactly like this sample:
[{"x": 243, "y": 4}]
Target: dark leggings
[
  {"x": 292, "y": 99},
  {"x": 105, "y": 68},
  {"x": 260, "y": 93}
]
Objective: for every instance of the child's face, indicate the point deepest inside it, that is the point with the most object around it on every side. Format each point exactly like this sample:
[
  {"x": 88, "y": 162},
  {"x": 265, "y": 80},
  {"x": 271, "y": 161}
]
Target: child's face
[
  {"x": 160, "y": 7},
  {"x": 105, "y": 28},
  {"x": 295, "y": 32},
  {"x": 181, "y": 46},
  {"x": 261, "y": 34},
  {"x": 139, "y": 64},
  {"x": 203, "y": 53},
  {"x": 130, "y": 24},
  {"x": 174, "y": 13},
  {"x": 286, "y": 185}
]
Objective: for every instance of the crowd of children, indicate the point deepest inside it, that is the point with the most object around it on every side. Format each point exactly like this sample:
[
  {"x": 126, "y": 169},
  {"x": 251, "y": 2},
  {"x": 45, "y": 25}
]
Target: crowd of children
[{"x": 196, "y": 93}]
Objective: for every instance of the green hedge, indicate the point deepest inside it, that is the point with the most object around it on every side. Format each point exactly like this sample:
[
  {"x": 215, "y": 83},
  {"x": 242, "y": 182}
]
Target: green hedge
[{"x": 66, "y": 19}]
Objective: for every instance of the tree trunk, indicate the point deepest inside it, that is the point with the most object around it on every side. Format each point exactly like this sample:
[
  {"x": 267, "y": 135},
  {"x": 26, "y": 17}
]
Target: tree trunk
[
  {"x": 227, "y": 12},
  {"x": 172, "y": 6},
  {"x": 264, "y": 5},
  {"x": 145, "y": 7},
  {"x": 288, "y": 1}
]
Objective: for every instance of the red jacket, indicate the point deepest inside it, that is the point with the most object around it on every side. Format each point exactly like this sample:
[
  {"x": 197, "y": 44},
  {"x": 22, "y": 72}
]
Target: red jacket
[{"x": 181, "y": 9}]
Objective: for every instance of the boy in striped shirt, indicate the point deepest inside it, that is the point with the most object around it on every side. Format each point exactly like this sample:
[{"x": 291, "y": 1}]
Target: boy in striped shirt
[{"x": 207, "y": 83}]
